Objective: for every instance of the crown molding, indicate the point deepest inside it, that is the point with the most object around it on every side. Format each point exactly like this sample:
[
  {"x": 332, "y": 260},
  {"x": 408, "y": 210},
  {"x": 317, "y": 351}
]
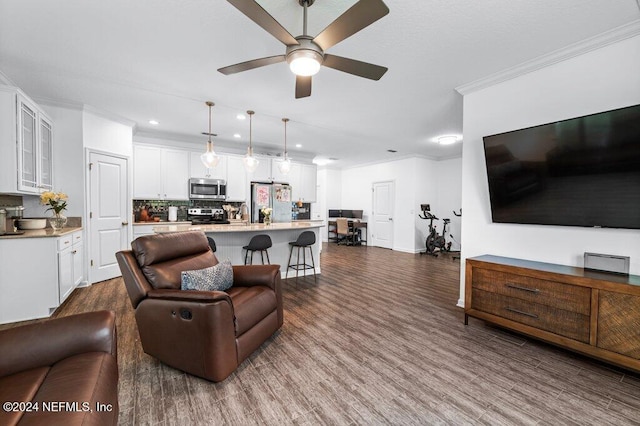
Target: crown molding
[
  {"x": 111, "y": 116},
  {"x": 58, "y": 103},
  {"x": 4, "y": 79},
  {"x": 78, "y": 106},
  {"x": 615, "y": 35}
]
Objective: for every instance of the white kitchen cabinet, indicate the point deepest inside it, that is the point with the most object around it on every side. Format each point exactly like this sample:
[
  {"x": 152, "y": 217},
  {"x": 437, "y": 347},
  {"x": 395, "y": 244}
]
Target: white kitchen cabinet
[
  {"x": 303, "y": 178},
  {"x": 237, "y": 182},
  {"x": 276, "y": 174},
  {"x": 263, "y": 172},
  {"x": 160, "y": 173},
  {"x": 140, "y": 230},
  {"x": 38, "y": 274},
  {"x": 70, "y": 259},
  {"x": 26, "y": 144},
  {"x": 198, "y": 170},
  {"x": 175, "y": 173}
]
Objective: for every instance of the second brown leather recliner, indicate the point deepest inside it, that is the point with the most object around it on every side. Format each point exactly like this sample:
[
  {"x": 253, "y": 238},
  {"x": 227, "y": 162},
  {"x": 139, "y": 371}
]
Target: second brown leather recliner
[{"x": 204, "y": 333}]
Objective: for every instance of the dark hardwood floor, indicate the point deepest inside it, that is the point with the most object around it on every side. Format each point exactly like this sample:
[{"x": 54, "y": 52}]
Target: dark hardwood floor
[{"x": 377, "y": 340}]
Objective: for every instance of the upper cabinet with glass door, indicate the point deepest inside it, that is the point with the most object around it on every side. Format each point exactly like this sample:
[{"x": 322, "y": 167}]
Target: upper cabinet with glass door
[{"x": 26, "y": 144}]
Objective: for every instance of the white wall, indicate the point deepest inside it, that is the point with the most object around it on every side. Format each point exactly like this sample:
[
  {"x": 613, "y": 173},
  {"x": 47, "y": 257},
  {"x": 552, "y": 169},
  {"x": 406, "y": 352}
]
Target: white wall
[
  {"x": 106, "y": 135},
  {"x": 329, "y": 184},
  {"x": 600, "y": 80},
  {"x": 449, "y": 198}
]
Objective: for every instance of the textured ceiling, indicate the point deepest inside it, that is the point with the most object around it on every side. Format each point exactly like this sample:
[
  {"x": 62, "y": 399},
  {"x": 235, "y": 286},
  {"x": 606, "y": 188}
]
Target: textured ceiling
[{"x": 147, "y": 59}]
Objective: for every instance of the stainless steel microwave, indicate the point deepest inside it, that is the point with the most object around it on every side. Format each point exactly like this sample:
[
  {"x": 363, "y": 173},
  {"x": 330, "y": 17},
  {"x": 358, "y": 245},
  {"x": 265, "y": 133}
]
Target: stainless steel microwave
[{"x": 207, "y": 189}]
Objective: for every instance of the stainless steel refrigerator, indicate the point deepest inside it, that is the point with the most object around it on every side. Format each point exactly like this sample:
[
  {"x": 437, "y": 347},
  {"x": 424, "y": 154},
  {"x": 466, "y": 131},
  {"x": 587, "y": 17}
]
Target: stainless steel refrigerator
[{"x": 274, "y": 195}]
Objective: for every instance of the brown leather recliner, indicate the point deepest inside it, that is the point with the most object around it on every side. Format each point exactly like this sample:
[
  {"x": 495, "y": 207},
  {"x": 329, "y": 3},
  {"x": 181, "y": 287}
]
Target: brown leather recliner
[
  {"x": 64, "y": 371},
  {"x": 204, "y": 333}
]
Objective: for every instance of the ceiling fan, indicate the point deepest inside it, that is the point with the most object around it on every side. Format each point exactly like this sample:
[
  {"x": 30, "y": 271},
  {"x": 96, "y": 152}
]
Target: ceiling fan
[{"x": 305, "y": 54}]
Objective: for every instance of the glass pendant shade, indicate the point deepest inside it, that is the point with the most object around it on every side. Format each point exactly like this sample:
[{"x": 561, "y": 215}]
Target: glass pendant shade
[
  {"x": 250, "y": 162},
  {"x": 210, "y": 159},
  {"x": 285, "y": 165}
]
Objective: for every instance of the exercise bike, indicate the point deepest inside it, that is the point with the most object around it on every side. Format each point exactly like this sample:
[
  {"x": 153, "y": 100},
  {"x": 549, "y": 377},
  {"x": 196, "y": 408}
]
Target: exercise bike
[{"x": 434, "y": 240}]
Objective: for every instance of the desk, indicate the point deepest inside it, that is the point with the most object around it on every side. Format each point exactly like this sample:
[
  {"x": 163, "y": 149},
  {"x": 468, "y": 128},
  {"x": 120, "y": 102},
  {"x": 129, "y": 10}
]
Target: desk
[{"x": 355, "y": 224}]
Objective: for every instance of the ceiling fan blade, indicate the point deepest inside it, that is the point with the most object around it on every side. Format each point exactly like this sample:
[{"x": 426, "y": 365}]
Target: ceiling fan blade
[
  {"x": 359, "y": 16},
  {"x": 303, "y": 86},
  {"x": 257, "y": 14},
  {"x": 249, "y": 65},
  {"x": 351, "y": 66}
]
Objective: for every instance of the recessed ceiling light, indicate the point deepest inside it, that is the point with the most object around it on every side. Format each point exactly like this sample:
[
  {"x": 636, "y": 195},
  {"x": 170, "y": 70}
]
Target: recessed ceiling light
[
  {"x": 237, "y": 135},
  {"x": 447, "y": 139},
  {"x": 241, "y": 117},
  {"x": 154, "y": 122},
  {"x": 298, "y": 145},
  {"x": 321, "y": 161}
]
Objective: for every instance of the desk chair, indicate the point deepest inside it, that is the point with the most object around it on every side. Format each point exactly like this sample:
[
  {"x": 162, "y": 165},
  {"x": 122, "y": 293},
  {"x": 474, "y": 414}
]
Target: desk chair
[{"x": 345, "y": 233}]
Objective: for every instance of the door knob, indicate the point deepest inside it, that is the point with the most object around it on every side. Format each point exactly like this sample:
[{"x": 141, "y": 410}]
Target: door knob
[
  {"x": 390, "y": 218},
  {"x": 125, "y": 223}
]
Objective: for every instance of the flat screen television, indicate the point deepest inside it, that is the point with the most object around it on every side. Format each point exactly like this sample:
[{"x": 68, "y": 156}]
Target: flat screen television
[{"x": 583, "y": 171}]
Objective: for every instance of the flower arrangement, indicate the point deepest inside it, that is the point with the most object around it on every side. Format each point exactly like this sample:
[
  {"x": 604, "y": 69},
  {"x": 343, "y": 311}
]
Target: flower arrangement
[
  {"x": 266, "y": 212},
  {"x": 56, "y": 200}
]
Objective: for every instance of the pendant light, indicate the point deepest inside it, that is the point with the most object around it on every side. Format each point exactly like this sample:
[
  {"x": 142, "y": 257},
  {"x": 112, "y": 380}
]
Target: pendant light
[
  {"x": 250, "y": 162},
  {"x": 210, "y": 158},
  {"x": 285, "y": 165}
]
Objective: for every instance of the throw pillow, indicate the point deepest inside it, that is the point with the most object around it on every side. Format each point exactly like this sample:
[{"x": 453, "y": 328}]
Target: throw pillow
[{"x": 218, "y": 277}]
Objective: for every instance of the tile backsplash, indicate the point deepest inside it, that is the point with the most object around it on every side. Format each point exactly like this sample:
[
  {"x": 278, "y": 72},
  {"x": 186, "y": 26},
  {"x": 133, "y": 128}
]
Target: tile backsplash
[{"x": 160, "y": 208}]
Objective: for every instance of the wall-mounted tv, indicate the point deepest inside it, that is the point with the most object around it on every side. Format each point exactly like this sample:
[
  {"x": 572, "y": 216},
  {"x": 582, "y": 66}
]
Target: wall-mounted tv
[{"x": 583, "y": 171}]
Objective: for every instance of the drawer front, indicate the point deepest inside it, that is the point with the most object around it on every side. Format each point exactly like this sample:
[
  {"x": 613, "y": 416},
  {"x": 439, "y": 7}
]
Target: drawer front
[
  {"x": 559, "y": 321},
  {"x": 64, "y": 242},
  {"x": 550, "y": 293},
  {"x": 76, "y": 237}
]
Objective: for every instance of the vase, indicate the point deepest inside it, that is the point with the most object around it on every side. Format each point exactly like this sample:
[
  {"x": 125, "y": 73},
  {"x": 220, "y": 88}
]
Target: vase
[
  {"x": 57, "y": 221},
  {"x": 267, "y": 220}
]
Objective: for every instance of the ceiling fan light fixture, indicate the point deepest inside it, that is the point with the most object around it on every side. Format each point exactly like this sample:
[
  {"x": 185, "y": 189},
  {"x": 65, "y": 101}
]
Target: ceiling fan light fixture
[{"x": 304, "y": 62}]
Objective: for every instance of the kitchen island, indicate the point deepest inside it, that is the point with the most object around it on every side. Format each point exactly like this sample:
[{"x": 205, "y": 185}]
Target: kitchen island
[{"x": 231, "y": 238}]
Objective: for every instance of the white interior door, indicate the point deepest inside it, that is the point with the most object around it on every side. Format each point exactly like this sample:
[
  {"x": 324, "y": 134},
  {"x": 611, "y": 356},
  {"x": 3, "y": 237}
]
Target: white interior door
[
  {"x": 109, "y": 214},
  {"x": 382, "y": 232}
]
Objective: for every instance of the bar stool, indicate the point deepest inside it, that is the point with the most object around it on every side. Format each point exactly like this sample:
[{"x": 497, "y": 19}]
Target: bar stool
[
  {"x": 212, "y": 244},
  {"x": 261, "y": 243},
  {"x": 305, "y": 240}
]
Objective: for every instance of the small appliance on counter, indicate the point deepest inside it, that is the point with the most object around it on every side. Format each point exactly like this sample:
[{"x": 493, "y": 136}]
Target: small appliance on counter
[
  {"x": 207, "y": 216},
  {"x": 173, "y": 214},
  {"x": 12, "y": 214}
]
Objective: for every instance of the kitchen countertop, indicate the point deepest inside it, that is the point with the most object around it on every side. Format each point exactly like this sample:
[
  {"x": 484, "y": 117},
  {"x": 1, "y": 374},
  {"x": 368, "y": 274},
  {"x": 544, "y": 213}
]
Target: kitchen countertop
[
  {"x": 41, "y": 233},
  {"x": 240, "y": 228},
  {"x": 162, "y": 222}
]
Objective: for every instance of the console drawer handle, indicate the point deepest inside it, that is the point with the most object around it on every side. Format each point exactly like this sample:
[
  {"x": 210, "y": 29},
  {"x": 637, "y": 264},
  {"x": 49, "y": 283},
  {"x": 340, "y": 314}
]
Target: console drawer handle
[
  {"x": 517, "y": 287},
  {"x": 521, "y": 312}
]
